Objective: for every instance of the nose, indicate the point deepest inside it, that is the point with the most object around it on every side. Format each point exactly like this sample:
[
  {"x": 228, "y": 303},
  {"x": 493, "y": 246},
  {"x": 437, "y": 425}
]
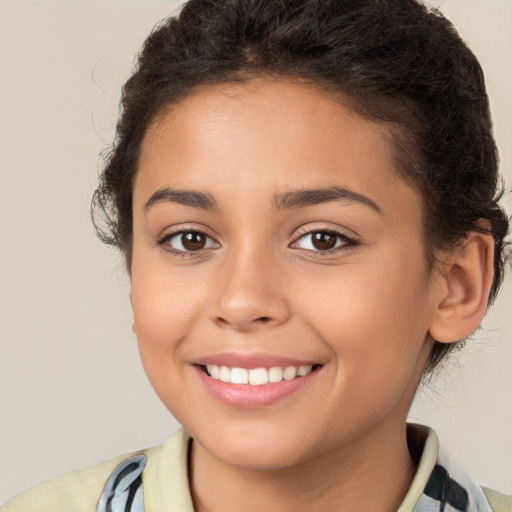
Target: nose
[{"x": 251, "y": 292}]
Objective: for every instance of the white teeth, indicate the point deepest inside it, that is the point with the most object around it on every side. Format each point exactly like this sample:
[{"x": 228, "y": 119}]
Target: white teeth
[
  {"x": 304, "y": 370},
  {"x": 257, "y": 376},
  {"x": 239, "y": 376},
  {"x": 275, "y": 374},
  {"x": 225, "y": 374},
  {"x": 290, "y": 372},
  {"x": 213, "y": 370}
]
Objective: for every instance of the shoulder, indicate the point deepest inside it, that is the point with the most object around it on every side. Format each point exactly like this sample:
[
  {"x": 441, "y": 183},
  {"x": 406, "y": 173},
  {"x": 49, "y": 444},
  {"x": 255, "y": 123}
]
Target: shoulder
[
  {"x": 156, "y": 476},
  {"x": 499, "y": 502},
  {"x": 78, "y": 491}
]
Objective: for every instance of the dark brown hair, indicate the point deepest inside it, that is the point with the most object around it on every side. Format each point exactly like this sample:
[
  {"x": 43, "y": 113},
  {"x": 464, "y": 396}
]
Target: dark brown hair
[{"x": 394, "y": 61}]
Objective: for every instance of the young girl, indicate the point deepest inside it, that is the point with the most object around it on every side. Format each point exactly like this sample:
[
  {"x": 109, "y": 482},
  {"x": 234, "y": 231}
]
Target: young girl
[{"x": 305, "y": 194}]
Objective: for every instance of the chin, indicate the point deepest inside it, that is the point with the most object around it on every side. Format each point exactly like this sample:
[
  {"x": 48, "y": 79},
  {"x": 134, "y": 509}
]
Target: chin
[
  {"x": 262, "y": 458},
  {"x": 255, "y": 447}
]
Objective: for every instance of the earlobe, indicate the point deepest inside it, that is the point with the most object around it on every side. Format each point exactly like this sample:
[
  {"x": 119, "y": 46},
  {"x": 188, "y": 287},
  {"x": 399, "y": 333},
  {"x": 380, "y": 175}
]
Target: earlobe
[{"x": 466, "y": 280}]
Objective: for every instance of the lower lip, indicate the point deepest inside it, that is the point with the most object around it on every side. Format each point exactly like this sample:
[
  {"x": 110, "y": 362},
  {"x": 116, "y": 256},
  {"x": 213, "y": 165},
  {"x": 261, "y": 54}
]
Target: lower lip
[{"x": 245, "y": 396}]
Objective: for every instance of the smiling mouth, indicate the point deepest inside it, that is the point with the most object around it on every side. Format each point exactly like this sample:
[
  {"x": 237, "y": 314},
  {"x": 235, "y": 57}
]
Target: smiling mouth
[{"x": 257, "y": 376}]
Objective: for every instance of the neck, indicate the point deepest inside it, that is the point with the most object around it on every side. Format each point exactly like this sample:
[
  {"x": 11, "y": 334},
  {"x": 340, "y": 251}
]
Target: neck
[{"x": 373, "y": 473}]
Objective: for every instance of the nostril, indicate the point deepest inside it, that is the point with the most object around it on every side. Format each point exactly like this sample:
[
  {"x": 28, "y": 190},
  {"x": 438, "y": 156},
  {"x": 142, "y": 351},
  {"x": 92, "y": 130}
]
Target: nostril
[{"x": 262, "y": 321}]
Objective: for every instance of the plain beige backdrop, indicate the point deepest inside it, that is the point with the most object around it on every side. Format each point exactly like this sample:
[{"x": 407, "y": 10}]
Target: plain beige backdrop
[{"x": 72, "y": 389}]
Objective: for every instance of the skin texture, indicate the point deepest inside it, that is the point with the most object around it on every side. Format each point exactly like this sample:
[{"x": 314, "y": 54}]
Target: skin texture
[{"x": 260, "y": 285}]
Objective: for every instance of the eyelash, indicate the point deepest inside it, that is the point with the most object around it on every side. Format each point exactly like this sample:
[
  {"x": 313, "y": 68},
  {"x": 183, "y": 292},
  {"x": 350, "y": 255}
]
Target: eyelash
[
  {"x": 348, "y": 243},
  {"x": 163, "y": 241}
]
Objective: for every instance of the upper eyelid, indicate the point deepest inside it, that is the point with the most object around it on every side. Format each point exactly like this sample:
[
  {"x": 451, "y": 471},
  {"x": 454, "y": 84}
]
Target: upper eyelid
[
  {"x": 162, "y": 240},
  {"x": 308, "y": 230},
  {"x": 186, "y": 229},
  {"x": 349, "y": 241},
  {"x": 181, "y": 231},
  {"x": 300, "y": 233}
]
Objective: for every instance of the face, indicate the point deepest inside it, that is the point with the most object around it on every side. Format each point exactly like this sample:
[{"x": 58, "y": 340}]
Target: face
[{"x": 280, "y": 291}]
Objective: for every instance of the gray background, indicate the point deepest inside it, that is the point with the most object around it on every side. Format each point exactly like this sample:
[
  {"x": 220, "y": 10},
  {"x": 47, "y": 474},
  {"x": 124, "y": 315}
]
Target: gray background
[{"x": 72, "y": 389}]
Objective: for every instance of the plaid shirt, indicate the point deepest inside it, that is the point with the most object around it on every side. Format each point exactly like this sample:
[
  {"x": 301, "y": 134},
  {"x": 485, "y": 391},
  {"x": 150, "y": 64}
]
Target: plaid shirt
[{"x": 438, "y": 485}]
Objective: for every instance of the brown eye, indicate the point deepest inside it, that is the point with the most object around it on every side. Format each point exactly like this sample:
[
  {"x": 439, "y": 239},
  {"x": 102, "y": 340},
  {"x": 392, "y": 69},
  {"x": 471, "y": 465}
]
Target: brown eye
[
  {"x": 183, "y": 242},
  {"x": 193, "y": 241},
  {"x": 322, "y": 240}
]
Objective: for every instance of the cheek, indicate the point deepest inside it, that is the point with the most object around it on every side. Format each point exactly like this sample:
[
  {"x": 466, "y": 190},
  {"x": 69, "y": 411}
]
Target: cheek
[
  {"x": 167, "y": 307},
  {"x": 163, "y": 301},
  {"x": 389, "y": 297},
  {"x": 374, "y": 320},
  {"x": 159, "y": 326}
]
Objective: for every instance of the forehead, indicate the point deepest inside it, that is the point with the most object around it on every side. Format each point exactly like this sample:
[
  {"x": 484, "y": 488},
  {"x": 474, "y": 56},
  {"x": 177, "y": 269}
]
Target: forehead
[
  {"x": 289, "y": 112},
  {"x": 267, "y": 135}
]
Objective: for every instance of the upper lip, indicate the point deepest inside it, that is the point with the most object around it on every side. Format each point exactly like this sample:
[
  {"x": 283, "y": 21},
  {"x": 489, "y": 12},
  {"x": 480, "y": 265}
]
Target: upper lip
[{"x": 251, "y": 360}]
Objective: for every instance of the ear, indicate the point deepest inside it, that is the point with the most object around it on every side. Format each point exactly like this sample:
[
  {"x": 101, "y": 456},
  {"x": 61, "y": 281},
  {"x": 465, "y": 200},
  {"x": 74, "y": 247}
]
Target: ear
[{"x": 465, "y": 278}]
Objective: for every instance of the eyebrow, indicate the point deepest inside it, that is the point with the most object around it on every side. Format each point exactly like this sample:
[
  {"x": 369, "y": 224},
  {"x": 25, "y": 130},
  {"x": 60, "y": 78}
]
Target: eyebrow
[
  {"x": 311, "y": 197},
  {"x": 284, "y": 201},
  {"x": 193, "y": 198}
]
